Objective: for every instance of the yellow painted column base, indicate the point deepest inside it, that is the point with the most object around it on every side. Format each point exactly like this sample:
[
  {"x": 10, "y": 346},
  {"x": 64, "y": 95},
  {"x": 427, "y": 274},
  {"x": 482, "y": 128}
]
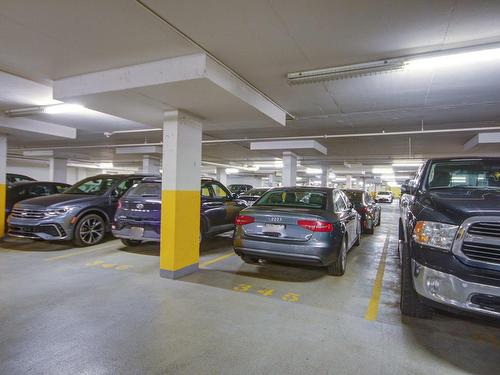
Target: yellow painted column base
[{"x": 180, "y": 231}]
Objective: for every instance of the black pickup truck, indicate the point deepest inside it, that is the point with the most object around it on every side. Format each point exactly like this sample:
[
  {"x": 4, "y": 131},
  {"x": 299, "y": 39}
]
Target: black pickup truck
[{"x": 449, "y": 238}]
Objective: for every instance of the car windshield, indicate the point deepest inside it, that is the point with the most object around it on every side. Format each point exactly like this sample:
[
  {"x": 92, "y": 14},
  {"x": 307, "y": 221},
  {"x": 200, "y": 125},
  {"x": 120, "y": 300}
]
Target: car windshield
[
  {"x": 354, "y": 196},
  {"x": 256, "y": 192},
  {"x": 145, "y": 189},
  {"x": 293, "y": 198},
  {"x": 474, "y": 174},
  {"x": 92, "y": 186}
]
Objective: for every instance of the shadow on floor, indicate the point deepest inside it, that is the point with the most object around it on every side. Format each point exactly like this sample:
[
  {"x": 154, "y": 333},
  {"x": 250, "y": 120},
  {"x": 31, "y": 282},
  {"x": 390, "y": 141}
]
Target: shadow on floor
[{"x": 25, "y": 244}]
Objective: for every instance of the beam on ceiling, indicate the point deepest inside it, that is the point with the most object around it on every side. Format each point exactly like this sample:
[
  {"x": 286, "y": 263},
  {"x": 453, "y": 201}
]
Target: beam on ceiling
[
  {"x": 36, "y": 126},
  {"x": 289, "y": 145},
  {"x": 139, "y": 150},
  {"x": 482, "y": 138}
]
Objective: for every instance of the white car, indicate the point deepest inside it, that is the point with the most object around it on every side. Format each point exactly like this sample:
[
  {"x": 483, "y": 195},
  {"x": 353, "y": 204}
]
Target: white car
[{"x": 384, "y": 196}]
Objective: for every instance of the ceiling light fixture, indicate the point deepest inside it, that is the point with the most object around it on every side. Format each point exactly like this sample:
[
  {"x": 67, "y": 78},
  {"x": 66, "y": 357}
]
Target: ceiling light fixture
[
  {"x": 345, "y": 71},
  {"x": 382, "y": 170},
  {"x": 430, "y": 60},
  {"x": 232, "y": 170},
  {"x": 46, "y": 109},
  {"x": 314, "y": 170}
]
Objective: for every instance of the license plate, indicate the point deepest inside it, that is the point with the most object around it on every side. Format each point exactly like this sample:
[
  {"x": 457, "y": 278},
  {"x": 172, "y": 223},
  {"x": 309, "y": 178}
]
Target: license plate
[
  {"x": 136, "y": 232},
  {"x": 274, "y": 228}
]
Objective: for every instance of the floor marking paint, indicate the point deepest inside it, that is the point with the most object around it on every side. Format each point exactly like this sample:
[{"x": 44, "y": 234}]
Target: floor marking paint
[
  {"x": 371, "y": 312},
  {"x": 218, "y": 259},
  {"x": 78, "y": 253}
]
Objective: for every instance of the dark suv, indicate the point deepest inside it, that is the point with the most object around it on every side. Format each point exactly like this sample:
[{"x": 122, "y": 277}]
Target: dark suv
[
  {"x": 82, "y": 213},
  {"x": 449, "y": 238},
  {"x": 138, "y": 216}
]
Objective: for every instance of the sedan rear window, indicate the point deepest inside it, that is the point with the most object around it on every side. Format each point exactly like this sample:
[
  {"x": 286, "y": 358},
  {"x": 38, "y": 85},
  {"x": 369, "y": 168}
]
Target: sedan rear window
[
  {"x": 145, "y": 189},
  {"x": 293, "y": 198}
]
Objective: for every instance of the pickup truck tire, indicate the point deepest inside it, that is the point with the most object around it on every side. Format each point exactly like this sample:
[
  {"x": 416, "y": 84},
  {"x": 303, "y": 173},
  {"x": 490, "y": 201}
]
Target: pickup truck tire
[
  {"x": 379, "y": 219},
  {"x": 131, "y": 243},
  {"x": 370, "y": 230},
  {"x": 89, "y": 230},
  {"x": 249, "y": 260},
  {"x": 338, "y": 267},
  {"x": 410, "y": 303}
]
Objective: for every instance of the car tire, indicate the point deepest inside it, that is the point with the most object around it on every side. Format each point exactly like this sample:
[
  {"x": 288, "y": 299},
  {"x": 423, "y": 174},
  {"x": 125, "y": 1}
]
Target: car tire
[
  {"x": 90, "y": 230},
  {"x": 369, "y": 230},
  {"x": 131, "y": 243},
  {"x": 379, "y": 219},
  {"x": 249, "y": 260},
  {"x": 338, "y": 267},
  {"x": 410, "y": 303}
]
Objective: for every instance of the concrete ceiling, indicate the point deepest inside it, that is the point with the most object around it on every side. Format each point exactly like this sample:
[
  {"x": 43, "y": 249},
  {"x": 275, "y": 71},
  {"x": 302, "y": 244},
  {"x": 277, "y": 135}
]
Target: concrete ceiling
[{"x": 262, "y": 41}]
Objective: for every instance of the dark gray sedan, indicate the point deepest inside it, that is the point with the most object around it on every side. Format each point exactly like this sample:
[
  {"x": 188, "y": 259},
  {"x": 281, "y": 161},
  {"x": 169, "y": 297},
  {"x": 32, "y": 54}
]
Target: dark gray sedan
[{"x": 313, "y": 226}]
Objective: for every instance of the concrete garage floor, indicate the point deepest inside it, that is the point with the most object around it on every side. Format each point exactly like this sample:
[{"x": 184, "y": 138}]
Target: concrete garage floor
[{"x": 105, "y": 310}]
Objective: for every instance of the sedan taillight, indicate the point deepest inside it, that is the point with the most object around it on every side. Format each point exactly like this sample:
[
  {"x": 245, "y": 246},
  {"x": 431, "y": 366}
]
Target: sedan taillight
[
  {"x": 244, "y": 220},
  {"x": 316, "y": 225}
]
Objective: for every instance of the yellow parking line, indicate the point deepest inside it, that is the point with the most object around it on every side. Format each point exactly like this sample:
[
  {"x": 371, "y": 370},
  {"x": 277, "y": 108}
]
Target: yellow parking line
[
  {"x": 218, "y": 259},
  {"x": 78, "y": 253},
  {"x": 371, "y": 312}
]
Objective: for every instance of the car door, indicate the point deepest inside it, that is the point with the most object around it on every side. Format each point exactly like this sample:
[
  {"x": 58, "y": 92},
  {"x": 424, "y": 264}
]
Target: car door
[
  {"x": 351, "y": 219},
  {"x": 340, "y": 209},
  {"x": 230, "y": 208},
  {"x": 212, "y": 207},
  {"x": 118, "y": 191}
]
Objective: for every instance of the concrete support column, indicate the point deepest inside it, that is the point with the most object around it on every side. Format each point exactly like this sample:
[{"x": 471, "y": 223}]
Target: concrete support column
[
  {"x": 3, "y": 183},
  {"x": 221, "y": 175},
  {"x": 58, "y": 170},
  {"x": 289, "y": 169},
  {"x": 272, "y": 179},
  {"x": 324, "y": 178},
  {"x": 348, "y": 181},
  {"x": 150, "y": 165},
  {"x": 180, "y": 211}
]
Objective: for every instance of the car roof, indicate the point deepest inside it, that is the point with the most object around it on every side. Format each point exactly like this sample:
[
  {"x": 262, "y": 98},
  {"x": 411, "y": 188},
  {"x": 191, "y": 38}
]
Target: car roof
[
  {"x": 355, "y": 190},
  {"x": 24, "y": 183},
  {"x": 311, "y": 188},
  {"x": 465, "y": 158}
]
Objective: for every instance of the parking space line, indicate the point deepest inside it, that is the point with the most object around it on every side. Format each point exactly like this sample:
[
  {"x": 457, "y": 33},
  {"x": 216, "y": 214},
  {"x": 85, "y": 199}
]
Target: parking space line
[
  {"x": 372, "y": 311},
  {"x": 78, "y": 253},
  {"x": 218, "y": 259}
]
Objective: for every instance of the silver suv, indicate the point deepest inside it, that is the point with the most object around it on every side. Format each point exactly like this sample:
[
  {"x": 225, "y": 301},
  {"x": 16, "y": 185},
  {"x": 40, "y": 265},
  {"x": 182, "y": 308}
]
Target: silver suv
[{"x": 82, "y": 213}]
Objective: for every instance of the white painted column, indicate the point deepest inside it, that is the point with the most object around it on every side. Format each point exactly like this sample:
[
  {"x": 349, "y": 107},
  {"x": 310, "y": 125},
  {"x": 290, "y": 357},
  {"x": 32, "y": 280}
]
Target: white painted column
[
  {"x": 348, "y": 181},
  {"x": 180, "y": 211},
  {"x": 271, "y": 180},
  {"x": 58, "y": 170},
  {"x": 3, "y": 182},
  {"x": 221, "y": 175},
  {"x": 150, "y": 165},
  {"x": 324, "y": 177},
  {"x": 289, "y": 169}
]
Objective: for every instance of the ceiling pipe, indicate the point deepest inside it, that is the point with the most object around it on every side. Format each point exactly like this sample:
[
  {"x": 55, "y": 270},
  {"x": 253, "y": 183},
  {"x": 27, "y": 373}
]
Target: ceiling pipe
[{"x": 236, "y": 140}]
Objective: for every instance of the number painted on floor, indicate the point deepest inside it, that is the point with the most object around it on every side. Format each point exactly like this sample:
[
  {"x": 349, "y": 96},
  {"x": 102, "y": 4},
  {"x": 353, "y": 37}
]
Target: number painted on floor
[
  {"x": 242, "y": 288},
  {"x": 291, "y": 297},
  {"x": 95, "y": 263}
]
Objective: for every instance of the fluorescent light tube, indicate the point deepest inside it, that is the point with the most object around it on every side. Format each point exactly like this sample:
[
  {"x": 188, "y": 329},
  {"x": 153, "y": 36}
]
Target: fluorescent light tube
[{"x": 453, "y": 59}]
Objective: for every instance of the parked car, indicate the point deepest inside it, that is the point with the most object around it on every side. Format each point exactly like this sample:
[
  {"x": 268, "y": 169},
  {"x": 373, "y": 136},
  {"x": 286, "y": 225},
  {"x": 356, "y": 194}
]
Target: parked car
[
  {"x": 20, "y": 191},
  {"x": 239, "y": 189},
  {"x": 368, "y": 209},
  {"x": 253, "y": 194},
  {"x": 13, "y": 178},
  {"x": 82, "y": 213},
  {"x": 138, "y": 216},
  {"x": 384, "y": 196},
  {"x": 304, "y": 225},
  {"x": 449, "y": 238}
]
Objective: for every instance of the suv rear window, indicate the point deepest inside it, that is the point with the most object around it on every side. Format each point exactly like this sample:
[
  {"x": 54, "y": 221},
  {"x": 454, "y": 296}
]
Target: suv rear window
[
  {"x": 145, "y": 189},
  {"x": 293, "y": 198}
]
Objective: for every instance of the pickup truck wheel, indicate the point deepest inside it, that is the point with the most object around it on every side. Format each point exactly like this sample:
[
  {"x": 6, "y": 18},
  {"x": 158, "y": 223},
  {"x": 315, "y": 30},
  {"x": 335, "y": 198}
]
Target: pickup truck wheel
[
  {"x": 410, "y": 303},
  {"x": 131, "y": 243},
  {"x": 338, "y": 267},
  {"x": 89, "y": 230}
]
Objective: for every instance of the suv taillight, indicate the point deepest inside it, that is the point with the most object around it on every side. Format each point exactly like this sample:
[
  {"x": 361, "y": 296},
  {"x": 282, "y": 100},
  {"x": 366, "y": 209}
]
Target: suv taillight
[
  {"x": 316, "y": 225},
  {"x": 244, "y": 220}
]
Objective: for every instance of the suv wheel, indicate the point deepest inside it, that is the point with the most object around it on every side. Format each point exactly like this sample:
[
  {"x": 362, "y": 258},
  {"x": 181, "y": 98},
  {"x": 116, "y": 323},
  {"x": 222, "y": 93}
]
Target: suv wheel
[
  {"x": 89, "y": 230},
  {"x": 410, "y": 303},
  {"x": 131, "y": 243},
  {"x": 338, "y": 267}
]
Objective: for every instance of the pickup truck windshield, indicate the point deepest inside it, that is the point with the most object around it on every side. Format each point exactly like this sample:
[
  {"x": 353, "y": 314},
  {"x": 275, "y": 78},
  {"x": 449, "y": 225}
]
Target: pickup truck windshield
[
  {"x": 92, "y": 186},
  {"x": 474, "y": 174}
]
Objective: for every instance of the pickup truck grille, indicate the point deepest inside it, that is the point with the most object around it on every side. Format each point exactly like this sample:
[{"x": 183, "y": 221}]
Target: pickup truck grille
[
  {"x": 24, "y": 213},
  {"x": 482, "y": 252},
  {"x": 490, "y": 229}
]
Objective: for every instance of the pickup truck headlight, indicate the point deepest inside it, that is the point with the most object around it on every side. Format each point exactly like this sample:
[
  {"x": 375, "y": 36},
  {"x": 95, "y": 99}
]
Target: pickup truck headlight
[
  {"x": 435, "y": 234},
  {"x": 52, "y": 212}
]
